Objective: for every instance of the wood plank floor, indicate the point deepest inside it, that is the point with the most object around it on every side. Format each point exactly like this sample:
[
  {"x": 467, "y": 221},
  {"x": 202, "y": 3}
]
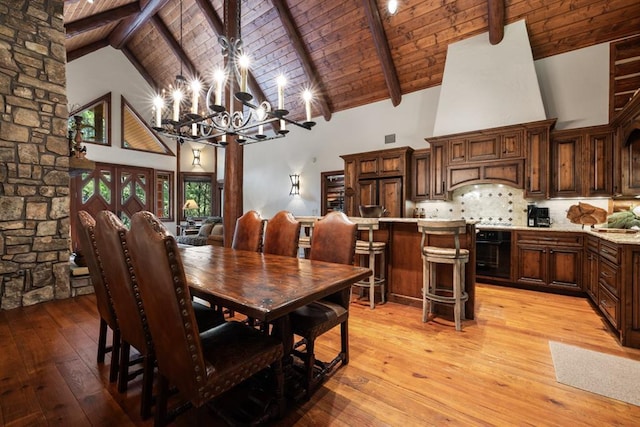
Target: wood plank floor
[{"x": 497, "y": 371}]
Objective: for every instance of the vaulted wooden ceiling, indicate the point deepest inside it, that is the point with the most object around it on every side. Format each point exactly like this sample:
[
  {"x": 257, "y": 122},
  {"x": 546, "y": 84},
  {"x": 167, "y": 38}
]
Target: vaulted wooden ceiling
[{"x": 352, "y": 52}]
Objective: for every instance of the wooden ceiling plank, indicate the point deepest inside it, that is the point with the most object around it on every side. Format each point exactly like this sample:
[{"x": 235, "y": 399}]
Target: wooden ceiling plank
[
  {"x": 125, "y": 29},
  {"x": 303, "y": 56},
  {"x": 87, "y": 49},
  {"x": 174, "y": 45},
  {"x": 98, "y": 20},
  {"x": 384, "y": 53},
  {"x": 496, "y": 21}
]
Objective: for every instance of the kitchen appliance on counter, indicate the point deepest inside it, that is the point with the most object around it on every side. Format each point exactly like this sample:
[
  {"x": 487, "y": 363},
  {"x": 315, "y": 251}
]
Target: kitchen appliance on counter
[
  {"x": 493, "y": 253},
  {"x": 538, "y": 217}
]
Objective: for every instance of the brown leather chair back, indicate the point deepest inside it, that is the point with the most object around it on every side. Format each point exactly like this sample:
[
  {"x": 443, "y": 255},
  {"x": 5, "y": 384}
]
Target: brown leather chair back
[
  {"x": 87, "y": 237},
  {"x": 281, "y": 235},
  {"x": 334, "y": 239},
  {"x": 167, "y": 303},
  {"x": 111, "y": 239},
  {"x": 248, "y": 233}
]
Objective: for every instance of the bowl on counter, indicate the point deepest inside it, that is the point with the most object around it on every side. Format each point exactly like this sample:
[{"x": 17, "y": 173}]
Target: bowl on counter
[{"x": 371, "y": 211}]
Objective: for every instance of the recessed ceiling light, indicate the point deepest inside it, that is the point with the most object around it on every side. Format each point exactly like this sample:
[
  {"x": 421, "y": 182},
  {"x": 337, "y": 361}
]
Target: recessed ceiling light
[{"x": 392, "y": 6}]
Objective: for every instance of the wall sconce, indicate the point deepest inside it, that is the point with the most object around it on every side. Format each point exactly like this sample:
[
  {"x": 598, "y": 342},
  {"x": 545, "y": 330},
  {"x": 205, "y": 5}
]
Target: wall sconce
[
  {"x": 196, "y": 157},
  {"x": 295, "y": 185}
]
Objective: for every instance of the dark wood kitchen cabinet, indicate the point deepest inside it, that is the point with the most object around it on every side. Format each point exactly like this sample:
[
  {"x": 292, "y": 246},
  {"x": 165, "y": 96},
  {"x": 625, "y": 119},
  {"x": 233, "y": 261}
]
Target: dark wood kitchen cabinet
[
  {"x": 627, "y": 141},
  {"x": 439, "y": 172},
  {"x": 582, "y": 162},
  {"x": 378, "y": 178},
  {"x": 592, "y": 258},
  {"x": 549, "y": 260},
  {"x": 515, "y": 155},
  {"x": 420, "y": 171}
]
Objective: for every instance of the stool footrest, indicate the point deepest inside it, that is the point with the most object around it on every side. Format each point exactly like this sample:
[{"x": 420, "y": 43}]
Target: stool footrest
[
  {"x": 445, "y": 299},
  {"x": 366, "y": 283}
]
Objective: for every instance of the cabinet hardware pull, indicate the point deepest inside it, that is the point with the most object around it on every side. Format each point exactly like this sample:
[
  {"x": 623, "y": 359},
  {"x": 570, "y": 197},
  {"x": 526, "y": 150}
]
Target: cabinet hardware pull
[{"x": 443, "y": 186}]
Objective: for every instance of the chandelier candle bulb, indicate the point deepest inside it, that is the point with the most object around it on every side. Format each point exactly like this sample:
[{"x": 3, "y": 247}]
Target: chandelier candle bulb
[
  {"x": 195, "y": 90},
  {"x": 281, "y": 80},
  {"x": 219, "y": 79},
  {"x": 177, "y": 97},
  {"x": 244, "y": 68},
  {"x": 306, "y": 95},
  {"x": 158, "y": 104}
]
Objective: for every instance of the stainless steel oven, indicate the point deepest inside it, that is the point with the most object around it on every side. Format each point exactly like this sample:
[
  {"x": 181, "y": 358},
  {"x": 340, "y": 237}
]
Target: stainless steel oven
[{"x": 493, "y": 253}]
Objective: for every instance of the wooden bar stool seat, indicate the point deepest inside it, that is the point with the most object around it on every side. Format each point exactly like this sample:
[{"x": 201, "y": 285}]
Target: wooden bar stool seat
[
  {"x": 432, "y": 292},
  {"x": 371, "y": 249}
]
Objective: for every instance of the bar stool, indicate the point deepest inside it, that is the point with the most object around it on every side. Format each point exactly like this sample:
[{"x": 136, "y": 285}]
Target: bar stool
[
  {"x": 433, "y": 255},
  {"x": 306, "y": 232},
  {"x": 370, "y": 248}
]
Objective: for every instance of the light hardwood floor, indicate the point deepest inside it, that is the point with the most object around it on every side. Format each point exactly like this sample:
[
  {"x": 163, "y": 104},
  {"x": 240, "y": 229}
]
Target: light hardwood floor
[{"x": 497, "y": 371}]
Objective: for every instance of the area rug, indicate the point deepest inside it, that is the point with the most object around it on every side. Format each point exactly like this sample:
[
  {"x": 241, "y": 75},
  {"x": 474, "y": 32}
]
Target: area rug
[{"x": 604, "y": 374}]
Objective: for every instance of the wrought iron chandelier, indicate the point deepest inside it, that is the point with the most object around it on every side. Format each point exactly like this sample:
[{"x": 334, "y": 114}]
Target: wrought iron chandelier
[{"x": 176, "y": 114}]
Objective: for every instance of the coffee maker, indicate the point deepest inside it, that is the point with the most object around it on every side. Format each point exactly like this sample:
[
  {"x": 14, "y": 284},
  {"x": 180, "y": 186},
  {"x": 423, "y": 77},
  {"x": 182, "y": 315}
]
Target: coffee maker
[{"x": 538, "y": 217}]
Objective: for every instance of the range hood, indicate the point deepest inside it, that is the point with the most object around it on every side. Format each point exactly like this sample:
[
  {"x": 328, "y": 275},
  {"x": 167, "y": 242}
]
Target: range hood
[{"x": 486, "y": 86}]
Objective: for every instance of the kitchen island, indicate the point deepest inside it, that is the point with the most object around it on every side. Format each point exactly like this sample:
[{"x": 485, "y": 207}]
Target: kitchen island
[{"x": 404, "y": 261}]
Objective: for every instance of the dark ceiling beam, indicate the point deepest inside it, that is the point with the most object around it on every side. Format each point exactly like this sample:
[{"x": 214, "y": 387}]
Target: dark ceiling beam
[
  {"x": 218, "y": 27},
  {"x": 127, "y": 28},
  {"x": 86, "y": 49},
  {"x": 174, "y": 45},
  {"x": 93, "y": 22},
  {"x": 303, "y": 56},
  {"x": 384, "y": 53},
  {"x": 496, "y": 21},
  {"x": 138, "y": 66}
]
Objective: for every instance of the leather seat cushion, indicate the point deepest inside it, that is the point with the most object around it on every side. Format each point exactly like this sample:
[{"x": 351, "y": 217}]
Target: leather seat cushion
[
  {"x": 315, "y": 318},
  {"x": 207, "y": 317}
]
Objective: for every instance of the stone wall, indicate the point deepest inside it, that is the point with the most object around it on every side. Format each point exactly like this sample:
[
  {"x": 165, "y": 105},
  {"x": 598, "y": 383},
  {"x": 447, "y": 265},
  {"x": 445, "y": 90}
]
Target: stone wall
[{"x": 34, "y": 162}]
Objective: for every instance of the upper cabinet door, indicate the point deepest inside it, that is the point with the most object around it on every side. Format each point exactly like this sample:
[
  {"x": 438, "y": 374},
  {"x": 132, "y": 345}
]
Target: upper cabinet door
[
  {"x": 566, "y": 164},
  {"x": 599, "y": 171}
]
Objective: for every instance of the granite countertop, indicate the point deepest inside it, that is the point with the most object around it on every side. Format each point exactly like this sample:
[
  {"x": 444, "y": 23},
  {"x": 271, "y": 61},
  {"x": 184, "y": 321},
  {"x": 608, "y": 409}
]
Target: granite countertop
[{"x": 622, "y": 237}]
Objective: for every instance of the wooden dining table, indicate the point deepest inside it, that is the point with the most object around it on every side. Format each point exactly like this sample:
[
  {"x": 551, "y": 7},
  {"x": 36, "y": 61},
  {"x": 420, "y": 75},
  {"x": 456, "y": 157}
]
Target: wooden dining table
[{"x": 263, "y": 286}]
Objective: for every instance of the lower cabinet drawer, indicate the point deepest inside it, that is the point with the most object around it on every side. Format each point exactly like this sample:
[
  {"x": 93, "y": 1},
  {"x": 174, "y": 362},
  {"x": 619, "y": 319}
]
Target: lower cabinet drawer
[
  {"x": 609, "y": 277},
  {"x": 609, "y": 305}
]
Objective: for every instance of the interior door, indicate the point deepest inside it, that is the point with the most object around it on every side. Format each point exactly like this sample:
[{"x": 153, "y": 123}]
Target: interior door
[{"x": 123, "y": 190}]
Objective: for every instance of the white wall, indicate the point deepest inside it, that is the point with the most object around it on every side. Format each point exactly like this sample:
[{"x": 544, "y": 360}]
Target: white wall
[{"x": 574, "y": 89}]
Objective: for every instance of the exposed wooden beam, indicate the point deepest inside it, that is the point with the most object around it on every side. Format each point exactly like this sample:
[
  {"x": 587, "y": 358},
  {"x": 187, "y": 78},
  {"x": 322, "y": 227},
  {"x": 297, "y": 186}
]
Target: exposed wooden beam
[
  {"x": 303, "y": 56},
  {"x": 93, "y": 22},
  {"x": 496, "y": 21},
  {"x": 384, "y": 53},
  {"x": 216, "y": 24},
  {"x": 138, "y": 66},
  {"x": 173, "y": 44},
  {"x": 126, "y": 28},
  {"x": 86, "y": 49}
]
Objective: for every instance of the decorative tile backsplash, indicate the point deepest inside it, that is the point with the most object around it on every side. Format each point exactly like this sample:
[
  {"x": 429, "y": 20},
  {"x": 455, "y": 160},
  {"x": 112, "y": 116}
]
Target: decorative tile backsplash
[{"x": 501, "y": 205}]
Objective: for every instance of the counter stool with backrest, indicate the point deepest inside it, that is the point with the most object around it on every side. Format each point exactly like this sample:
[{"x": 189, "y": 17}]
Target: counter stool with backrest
[
  {"x": 434, "y": 255},
  {"x": 371, "y": 249},
  {"x": 306, "y": 226}
]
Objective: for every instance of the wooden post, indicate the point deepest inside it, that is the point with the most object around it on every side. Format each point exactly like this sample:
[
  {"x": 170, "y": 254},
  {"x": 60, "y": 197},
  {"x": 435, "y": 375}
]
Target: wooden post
[{"x": 234, "y": 153}]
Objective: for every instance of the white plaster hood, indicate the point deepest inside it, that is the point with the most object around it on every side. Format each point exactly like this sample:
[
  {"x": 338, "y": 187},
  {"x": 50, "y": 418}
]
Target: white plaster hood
[{"x": 486, "y": 86}]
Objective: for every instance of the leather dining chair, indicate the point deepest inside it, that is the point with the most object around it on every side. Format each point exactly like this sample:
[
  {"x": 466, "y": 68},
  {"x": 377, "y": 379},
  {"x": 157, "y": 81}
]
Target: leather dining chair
[
  {"x": 110, "y": 235},
  {"x": 334, "y": 240},
  {"x": 248, "y": 233},
  {"x": 281, "y": 235},
  {"x": 104, "y": 302},
  {"x": 201, "y": 365}
]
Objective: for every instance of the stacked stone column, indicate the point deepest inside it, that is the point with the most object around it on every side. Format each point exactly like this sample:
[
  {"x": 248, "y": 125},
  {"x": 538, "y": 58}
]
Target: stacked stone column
[{"x": 34, "y": 154}]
